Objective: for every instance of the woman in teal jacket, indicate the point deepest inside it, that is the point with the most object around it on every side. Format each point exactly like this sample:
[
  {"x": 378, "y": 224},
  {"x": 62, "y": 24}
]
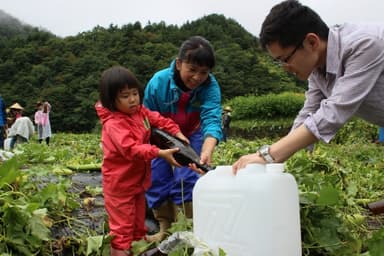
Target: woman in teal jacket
[{"x": 190, "y": 95}]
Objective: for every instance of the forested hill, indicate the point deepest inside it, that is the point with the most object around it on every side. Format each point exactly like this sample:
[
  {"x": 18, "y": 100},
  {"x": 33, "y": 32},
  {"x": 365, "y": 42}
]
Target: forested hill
[
  {"x": 37, "y": 65},
  {"x": 11, "y": 26}
]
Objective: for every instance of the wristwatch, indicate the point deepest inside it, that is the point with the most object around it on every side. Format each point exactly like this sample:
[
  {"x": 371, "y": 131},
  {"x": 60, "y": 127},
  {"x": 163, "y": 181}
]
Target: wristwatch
[{"x": 264, "y": 153}]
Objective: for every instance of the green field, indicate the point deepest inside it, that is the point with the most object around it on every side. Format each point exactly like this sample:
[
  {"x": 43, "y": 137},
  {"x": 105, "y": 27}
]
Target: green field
[{"x": 40, "y": 206}]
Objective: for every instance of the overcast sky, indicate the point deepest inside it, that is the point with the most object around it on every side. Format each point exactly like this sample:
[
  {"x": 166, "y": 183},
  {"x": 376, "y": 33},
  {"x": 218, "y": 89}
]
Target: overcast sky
[{"x": 69, "y": 17}]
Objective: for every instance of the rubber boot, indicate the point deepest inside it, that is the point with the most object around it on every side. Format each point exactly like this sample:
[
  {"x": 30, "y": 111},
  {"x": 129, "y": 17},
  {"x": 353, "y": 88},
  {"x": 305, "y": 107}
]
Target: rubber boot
[
  {"x": 164, "y": 215},
  {"x": 186, "y": 209}
]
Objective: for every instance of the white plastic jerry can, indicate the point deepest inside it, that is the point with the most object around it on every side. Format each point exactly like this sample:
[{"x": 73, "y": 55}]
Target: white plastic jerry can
[{"x": 253, "y": 213}]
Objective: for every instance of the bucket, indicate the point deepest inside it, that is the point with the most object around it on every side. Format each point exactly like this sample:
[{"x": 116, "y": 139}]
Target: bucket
[{"x": 255, "y": 212}]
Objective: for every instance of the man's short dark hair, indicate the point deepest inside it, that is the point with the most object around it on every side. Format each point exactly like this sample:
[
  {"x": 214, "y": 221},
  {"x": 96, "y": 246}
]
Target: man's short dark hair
[{"x": 289, "y": 22}]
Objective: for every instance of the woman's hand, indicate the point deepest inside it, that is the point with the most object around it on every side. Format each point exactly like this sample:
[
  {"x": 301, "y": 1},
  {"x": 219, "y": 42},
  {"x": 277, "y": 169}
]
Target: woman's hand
[
  {"x": 207, "y": 150},
  {"x": 195, "y": 168}
]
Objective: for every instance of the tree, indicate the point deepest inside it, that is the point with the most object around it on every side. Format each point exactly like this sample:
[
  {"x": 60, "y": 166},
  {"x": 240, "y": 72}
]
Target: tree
[{"x": 36, "y": 64}]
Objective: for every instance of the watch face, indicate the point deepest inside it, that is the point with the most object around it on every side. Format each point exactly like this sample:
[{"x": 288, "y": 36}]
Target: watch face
[{"x": 264, "y": 151}]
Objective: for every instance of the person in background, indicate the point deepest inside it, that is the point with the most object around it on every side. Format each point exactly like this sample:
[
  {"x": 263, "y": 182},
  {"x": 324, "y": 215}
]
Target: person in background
[
  {"x": 21, "y": 131},
  {"x": 15, "y": 111},
  {"x": 21, "y": 128},
  {"x": 189, "y": 94},
  {"x": 226, "y": 121},
  {"x": 127, "y": 154},
  {"x": 381, "y": 135},
  {"x": 42, "y": 121},
  {"x": 344, "y": 65},
  {"x": 3, "y": 122}
]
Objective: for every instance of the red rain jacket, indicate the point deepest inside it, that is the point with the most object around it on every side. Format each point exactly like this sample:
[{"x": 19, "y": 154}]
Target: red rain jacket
[{"x": 127, "y": 153}]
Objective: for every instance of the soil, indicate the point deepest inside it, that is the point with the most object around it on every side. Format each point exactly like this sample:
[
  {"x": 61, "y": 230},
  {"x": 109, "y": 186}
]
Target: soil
[{"x": 93, "y": 216}]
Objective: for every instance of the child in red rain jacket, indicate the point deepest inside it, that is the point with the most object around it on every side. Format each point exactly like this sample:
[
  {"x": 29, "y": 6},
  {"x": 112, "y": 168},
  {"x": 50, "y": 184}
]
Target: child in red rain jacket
[{"x": 126, "y": 168}]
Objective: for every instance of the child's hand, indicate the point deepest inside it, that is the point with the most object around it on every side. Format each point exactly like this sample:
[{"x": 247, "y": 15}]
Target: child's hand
[
  {"x": 167, "y": 154},
  {"x": 182, "y": 137}
]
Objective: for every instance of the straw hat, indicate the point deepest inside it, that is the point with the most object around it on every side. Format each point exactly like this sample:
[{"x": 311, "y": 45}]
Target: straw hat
[
  {"x": 228, "y": 108},
  {"x": 16, "y": 106}
]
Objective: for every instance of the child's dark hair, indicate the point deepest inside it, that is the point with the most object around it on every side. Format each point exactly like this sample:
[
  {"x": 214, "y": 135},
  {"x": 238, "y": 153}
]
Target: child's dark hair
[
  {"x": 197, "y": 50},
  {"x": 113, "y": 80}
]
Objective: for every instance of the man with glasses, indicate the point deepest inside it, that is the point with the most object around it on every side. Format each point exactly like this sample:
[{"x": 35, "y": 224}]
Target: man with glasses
[{"x": 344, "y": 66}]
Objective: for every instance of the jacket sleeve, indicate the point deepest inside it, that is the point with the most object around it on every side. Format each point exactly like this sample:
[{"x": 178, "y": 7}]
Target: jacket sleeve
[
  {"x": 164, "y": 123},
  {"x": 150, "y": 94},
  {"x": 157, "y": 90},
  {"x": 211, "y": 110},
  {"x": 125, "y": 144},
  {"x": 37, "y": 117}
]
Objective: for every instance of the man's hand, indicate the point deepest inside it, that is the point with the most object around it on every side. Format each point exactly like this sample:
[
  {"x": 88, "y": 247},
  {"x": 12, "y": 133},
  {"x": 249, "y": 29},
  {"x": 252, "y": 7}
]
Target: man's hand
[{"x": 247, "y": 159}]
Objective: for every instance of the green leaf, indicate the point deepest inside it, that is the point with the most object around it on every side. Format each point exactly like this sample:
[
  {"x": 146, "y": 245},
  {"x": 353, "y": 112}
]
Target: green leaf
[
  {"x": 140, "y": 246},
  {"x": 20, "y": 248},
  {"x": 222, "y": 252},
  {"x": 308, "y": 197},
  {"x": 352, "y": 189},
  {"x": 94, "y": 243},
  {"x": 326, "y": 233},
  {"x": 50, "y": 159},
  {"x": 376, "y": 243},
  {"x": 15, "y": 219},
  {"x": 328, "y": 196},
  {"x": 37, "y": 228},
  {"x": 9, "y": 171}
]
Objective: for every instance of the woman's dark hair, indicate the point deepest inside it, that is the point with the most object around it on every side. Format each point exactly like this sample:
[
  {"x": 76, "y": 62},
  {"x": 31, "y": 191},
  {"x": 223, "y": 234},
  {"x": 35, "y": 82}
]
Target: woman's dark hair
[
  {"x": 197, "y": 50},
  {"x": 289, "y": 22},
  {"x": 112, "y": 81}
]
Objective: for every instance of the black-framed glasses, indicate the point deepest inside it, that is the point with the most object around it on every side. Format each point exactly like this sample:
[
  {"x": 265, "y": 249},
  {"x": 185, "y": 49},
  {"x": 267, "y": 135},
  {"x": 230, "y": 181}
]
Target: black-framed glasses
[{"x": 285, "y": 60}]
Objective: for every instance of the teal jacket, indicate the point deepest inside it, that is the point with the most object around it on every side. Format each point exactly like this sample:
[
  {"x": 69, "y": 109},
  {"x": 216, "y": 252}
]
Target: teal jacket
[{"x": 201, "y": 108}]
